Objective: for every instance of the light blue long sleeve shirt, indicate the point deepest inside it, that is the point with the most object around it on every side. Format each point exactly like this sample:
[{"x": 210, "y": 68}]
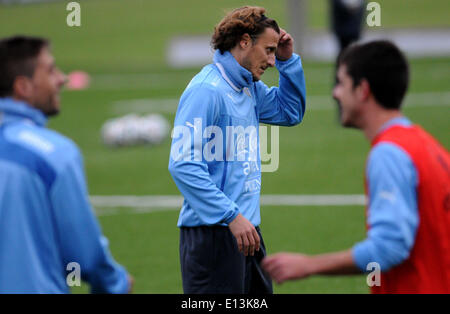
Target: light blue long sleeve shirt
[
  {"x": 215, "y": 157},
  {"x": 392, "y": 214},
  {"x": 46, "y": 220}
]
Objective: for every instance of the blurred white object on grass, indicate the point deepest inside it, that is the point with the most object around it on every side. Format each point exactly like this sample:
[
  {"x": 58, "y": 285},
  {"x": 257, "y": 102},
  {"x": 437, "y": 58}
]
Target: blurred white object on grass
[{"x": 133, "y": 129}]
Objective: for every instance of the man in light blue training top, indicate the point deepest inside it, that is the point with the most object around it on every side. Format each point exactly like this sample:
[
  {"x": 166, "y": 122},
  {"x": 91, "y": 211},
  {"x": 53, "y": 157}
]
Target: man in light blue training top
[
  {"x": 47, "y": 227},
  {"x": 215, "y": 158}
]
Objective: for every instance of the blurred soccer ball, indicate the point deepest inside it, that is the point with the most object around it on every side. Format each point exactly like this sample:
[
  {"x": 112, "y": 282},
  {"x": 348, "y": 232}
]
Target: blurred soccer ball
[{"x": 135, "y": 130}]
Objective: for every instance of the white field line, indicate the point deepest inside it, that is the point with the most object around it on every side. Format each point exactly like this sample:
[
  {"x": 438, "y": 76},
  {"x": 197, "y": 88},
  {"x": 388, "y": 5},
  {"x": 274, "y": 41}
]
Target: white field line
[
  {"x": 169, "y": 105},
  {"x": 171, "y": 79},
  {"x": 115, "y": 204}
]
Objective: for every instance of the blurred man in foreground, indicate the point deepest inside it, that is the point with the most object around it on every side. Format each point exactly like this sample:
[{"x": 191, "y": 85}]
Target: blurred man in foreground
[
  {"x": 46, "y": 222},
  {"x": 215, "y": 157},
  {"x": 407, "y": 184}
]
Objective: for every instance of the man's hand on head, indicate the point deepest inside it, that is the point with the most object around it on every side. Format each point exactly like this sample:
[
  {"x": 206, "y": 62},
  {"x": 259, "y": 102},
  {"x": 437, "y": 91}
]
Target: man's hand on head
[{"x": 285, "y": 47}]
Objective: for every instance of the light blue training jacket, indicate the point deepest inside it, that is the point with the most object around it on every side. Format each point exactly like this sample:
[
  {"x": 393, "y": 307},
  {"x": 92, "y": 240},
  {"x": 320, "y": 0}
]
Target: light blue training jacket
[
  {"x": 215, "y": 156},
  {"x": 46, "y": 221}
]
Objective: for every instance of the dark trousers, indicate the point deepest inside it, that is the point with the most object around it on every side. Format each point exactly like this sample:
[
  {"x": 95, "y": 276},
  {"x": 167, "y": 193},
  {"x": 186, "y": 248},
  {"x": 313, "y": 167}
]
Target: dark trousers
[{"x": 211, "y": 263}]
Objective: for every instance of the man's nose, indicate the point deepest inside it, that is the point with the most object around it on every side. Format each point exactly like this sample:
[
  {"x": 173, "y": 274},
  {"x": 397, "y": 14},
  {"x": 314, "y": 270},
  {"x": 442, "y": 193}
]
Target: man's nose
[
  {"x": 63, "y": 78},
  {"x": 335, "y": 92},
  {"x": 271, "y": 61}
]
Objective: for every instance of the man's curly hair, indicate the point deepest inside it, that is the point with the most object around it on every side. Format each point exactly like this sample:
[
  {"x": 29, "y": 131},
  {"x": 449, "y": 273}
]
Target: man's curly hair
[{"x": 246, "y": 20}]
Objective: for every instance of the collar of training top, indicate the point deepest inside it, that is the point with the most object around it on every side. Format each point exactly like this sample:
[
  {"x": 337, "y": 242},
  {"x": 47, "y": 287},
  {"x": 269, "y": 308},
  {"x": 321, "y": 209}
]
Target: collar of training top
[
  {"x": 403, "y": 121},
  {"x": 237, "y": 76},
  {"x": 20, "y": 109}
]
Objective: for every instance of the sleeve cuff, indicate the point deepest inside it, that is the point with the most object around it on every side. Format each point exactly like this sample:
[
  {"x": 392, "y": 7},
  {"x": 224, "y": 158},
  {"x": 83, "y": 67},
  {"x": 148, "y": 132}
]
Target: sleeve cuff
[
  {"x": 294, "y": 58},
  {"x": 116, "y": 283},
  {"x": 235, "y": 212},
  {"x": 361, "y": 255}
]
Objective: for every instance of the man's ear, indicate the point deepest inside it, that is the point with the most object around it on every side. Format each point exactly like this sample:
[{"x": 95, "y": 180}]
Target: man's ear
[
  {"x": 364, "y": 91},
  {"x": 22, "y": 88},
  {"x": 246, "y": 41}
]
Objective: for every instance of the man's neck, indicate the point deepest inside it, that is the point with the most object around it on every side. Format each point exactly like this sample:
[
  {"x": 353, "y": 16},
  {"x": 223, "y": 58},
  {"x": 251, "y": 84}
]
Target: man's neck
[
  {"x": 376, "y": 121},
  {"x": 21, "y": 99}
]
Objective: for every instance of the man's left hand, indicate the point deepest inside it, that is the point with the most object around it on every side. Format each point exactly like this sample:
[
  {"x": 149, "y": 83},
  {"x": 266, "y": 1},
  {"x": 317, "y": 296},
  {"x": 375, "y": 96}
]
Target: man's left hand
[
  {"x": 288, "y": 266},
  {"x": 285, "y": 46}
]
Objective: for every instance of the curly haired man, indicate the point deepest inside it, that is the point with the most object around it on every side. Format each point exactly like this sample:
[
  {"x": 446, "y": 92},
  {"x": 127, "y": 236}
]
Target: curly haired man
[{"x": 221, "y": 246}]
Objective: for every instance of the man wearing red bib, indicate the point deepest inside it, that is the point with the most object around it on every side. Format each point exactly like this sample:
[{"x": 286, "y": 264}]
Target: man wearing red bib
[{"x": 407, "y": 182}]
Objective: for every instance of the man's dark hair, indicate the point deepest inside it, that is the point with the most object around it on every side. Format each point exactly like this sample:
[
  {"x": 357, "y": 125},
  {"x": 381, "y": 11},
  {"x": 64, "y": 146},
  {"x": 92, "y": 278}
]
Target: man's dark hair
[
  {"x": 246, "y": 20},
  {"x": 18, "y": 58},
  {"x": 383, "y": 65}
]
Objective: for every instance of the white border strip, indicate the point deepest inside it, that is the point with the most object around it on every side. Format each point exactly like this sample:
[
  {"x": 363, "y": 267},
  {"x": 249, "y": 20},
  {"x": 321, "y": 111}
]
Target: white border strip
[
  {"x": 315, "y": 102},
  {"x": 109, "y": 205}
]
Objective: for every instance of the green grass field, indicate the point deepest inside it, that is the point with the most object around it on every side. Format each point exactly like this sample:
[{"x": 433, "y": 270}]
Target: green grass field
[{"x": 122, "y": 45}]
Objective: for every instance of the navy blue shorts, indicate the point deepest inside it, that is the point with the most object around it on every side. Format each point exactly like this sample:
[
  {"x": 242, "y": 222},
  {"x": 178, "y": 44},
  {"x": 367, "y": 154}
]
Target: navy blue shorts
[{"x": 211, "y": 263}]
